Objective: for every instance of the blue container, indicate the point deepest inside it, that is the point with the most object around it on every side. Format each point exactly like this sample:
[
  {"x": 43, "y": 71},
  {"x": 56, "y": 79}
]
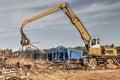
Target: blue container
[
  {"x": 63, "y": 54},
  {"x": 75, "y": 54}
]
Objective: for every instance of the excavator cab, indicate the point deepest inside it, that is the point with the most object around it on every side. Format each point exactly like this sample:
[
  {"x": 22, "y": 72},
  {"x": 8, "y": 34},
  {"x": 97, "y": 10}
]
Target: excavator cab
[
  {"x": 95, "y": 43},
  {"x": 95, "y": 48}
]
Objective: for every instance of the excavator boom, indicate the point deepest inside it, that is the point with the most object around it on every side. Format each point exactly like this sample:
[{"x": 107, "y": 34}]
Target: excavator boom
[
  {"x": 73, "y": 18},
  {"x": 59, "y": 7}
]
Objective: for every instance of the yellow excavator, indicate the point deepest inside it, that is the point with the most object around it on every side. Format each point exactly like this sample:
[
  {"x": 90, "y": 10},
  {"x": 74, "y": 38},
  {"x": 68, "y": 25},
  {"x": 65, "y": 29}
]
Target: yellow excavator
[{"x": 100, "y": 54}]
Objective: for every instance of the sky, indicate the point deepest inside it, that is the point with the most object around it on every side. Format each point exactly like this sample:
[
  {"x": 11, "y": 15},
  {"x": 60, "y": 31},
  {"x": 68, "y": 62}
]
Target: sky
[{"x": 101, "y": 18}]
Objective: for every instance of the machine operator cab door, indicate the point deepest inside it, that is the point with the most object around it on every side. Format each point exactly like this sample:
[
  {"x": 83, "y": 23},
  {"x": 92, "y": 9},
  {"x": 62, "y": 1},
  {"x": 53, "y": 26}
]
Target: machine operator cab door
[
  {"x": 95, "y": 48},
  {"x": 95, "y": 43}
]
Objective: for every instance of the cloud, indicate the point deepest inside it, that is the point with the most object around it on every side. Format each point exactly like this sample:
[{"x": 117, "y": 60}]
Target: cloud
[
  {"x": 99, "y": 7},
  {"x": 17, "y": 12},
  {"x": 14, "y": 12},
  {"x": 98, "y": 13}
]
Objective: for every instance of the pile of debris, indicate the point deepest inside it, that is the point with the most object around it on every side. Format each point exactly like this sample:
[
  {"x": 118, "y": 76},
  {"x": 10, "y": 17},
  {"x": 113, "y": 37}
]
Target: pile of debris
[{"x": 17, "y": 67}]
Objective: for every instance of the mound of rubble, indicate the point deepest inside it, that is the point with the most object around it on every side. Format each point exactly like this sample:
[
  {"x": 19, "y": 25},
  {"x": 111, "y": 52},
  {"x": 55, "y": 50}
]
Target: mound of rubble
[{"x": 17, "y": 67}]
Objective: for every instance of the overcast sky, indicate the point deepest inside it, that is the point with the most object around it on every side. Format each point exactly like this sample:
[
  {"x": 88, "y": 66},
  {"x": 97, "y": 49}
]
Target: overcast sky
[{"x": 100, "y": 17}]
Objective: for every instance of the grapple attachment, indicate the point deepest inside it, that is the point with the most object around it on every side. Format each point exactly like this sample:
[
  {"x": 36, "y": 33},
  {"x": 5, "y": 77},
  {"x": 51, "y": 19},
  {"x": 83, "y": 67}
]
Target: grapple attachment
[{"x": 24, "y": 40}]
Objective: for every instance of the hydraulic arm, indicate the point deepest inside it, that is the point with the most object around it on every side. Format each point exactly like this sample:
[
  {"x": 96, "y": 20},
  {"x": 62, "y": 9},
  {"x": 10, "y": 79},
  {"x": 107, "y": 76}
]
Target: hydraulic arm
[{"x": 73, "y": 18}]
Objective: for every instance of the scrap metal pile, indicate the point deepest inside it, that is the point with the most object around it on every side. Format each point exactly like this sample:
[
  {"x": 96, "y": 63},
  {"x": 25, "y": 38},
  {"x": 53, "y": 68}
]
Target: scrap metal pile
[
  {"x": 10, "y": 68},
  {"x": 16, "y": 66}
]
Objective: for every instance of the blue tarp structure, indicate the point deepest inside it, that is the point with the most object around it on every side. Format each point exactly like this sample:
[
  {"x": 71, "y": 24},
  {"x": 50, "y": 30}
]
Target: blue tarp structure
[{"x": 63, "y": 54}]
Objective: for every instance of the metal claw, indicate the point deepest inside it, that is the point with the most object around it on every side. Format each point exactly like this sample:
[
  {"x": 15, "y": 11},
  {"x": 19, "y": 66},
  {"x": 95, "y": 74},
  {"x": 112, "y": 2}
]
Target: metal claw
[{"x": 24, "y": 40}]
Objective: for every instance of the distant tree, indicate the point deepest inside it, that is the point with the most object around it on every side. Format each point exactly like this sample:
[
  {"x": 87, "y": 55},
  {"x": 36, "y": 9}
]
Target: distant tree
[
  {"x": 81, "y": 48},
  {"x": 106, "y": 46},
  {"x": 112, "y": 46},
  {"x": 61, "y": 46}
]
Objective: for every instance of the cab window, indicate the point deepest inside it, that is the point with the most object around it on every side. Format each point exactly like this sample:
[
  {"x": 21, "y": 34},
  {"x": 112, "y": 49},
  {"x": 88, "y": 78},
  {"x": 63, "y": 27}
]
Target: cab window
[{"x": 93, "y": 42}]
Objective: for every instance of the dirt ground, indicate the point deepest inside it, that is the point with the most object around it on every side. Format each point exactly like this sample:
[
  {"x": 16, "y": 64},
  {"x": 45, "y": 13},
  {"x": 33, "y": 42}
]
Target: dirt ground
[{"x": 77, "y": 75}]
